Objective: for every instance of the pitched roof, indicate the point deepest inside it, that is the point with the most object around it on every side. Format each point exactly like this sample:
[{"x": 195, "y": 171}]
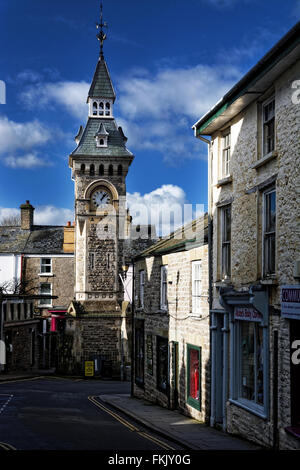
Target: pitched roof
[
  {"x": 115, "y": 143},
  {"x": 101, "y": 86},
  {"x": 186, "y": 237},
  {"x": 40, "y": 240}
]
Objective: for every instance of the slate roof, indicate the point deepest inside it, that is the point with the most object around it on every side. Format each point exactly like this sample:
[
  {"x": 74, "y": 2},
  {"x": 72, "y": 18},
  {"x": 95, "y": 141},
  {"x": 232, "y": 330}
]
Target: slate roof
[
  {"x": 101, "y": 86},
  {"x": 186, "y": 237},
  {"x": 42, "y": 239},
  {"x": 115, "y": 142}
]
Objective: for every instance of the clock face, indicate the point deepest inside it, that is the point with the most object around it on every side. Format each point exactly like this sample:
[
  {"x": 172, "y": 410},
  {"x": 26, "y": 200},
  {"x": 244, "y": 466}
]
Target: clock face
[{"x": 101, "y": 198}]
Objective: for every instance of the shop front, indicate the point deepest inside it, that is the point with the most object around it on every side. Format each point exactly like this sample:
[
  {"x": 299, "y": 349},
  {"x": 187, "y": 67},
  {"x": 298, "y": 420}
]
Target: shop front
[{"x": 247, "y": 359}]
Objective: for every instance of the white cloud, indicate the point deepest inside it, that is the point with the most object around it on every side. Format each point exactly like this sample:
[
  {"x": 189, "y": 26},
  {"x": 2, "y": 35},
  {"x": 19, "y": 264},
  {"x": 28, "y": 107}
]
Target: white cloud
[
  {"x": 51, "y": 215},
  {"x": 43, "y": 215},
  {"x": 181, "y": 92},
  {"x": 21, "y": 135},
  {"x": 27, "y": 161},
  {"x": 155, "y": 110},
  {"x": 165, "y": 207},
  {"x": 69, "y": 95}
]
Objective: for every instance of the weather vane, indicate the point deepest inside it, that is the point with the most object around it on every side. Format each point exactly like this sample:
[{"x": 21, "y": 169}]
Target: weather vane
[{"x": 101, "y": 35}]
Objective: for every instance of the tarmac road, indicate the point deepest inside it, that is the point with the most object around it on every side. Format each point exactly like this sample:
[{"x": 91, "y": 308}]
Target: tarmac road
[{"x": 62, "y": 414}]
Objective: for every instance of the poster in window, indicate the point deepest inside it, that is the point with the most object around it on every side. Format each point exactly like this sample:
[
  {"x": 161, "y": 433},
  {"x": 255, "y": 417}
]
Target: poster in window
[{"x": 194, "y": 373}]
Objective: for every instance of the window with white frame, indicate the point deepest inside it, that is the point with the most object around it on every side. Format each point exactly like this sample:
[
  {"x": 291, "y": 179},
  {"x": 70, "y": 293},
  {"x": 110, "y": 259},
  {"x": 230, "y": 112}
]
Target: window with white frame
[
  {"x": 226, "y": 242},
  {"x": 163, "y": 287},
  {"x": 196, "y": 286},
  {"x": 142, "y": 288},
  {"x": 46, "y": 266},
  {"x": 268, "y": 122},
  {"x": 269, "y": 231},
  {"x": 226, "y": 153},
  {"x": 45, "y": 289},
  {"x": 100, "y": 108}
]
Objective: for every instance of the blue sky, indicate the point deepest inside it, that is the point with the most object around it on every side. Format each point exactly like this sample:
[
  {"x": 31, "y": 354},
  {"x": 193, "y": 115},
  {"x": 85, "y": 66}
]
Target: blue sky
[{"x": 169, "y": 61}]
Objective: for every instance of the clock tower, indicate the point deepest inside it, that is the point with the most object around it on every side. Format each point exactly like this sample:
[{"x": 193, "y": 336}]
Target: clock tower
[{"x": 99, "y": 166}]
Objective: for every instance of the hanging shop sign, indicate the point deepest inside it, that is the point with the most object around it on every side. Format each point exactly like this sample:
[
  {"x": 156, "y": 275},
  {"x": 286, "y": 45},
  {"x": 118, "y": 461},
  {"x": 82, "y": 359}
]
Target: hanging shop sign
[
  {"x": 290, "y": 302},
  {"x": 247, "y": 314}
]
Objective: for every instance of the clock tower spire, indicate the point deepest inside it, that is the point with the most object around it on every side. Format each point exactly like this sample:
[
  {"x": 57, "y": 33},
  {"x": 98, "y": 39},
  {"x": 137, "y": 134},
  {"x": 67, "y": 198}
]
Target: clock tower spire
[{"x": 99, "y": 166}]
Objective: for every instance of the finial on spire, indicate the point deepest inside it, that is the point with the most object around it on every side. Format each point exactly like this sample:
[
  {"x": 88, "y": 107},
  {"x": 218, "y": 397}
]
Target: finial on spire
[{"x": 101, "y": 35}]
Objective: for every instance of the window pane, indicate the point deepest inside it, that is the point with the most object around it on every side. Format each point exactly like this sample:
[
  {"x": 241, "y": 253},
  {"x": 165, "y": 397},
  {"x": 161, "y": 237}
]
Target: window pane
[
  {"x": 259, "y": 365},
  {"x": 194, "y": 376},
  {"x": 46, "y": 265},
  {"x": 247, "y": 359},
  {"x": 270, "y": 212}
]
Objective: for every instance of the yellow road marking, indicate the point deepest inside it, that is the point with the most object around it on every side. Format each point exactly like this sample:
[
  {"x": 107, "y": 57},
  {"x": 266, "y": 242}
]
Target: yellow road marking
[
  {"x": 6, "y": 446},
  {"x": 123, "y": 421}
]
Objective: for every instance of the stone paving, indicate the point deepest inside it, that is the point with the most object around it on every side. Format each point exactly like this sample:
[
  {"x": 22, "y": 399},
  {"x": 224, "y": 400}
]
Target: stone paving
[{"x": 172, "y": 424}]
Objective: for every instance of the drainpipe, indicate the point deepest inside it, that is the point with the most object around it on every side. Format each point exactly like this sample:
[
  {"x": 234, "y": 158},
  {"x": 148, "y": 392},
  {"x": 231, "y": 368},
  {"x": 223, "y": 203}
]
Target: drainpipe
[
  {"x": 132, "y": 329},
  {"x": 213, "y": 328},
  {"x": 225, "y": 331}
]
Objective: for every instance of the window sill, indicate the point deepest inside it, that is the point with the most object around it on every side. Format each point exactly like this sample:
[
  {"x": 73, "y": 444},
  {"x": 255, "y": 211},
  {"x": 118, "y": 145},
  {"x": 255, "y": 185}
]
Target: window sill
[
  {"x": 223, "y": 283},
  {"x": 162, "y": 310},
  {"x": 244, "y": 405},
  {"x": 262, "y": 161},
  {"x": 45, "y": 306},
  {"x": 46, "y": 274},
  {"x": 271, "y": 281},
  {"x": 223, "y": 181}
]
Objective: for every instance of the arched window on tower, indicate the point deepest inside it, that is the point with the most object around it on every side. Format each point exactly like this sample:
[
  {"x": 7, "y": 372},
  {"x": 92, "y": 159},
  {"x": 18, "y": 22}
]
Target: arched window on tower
[
  {"x": 95, "y": 108},
  {"x": 101, "y": 109},
  {"x": 110, "y": 170},
  {"x": 82, "y": 168},
  {"x": 92, "y": 170},
  {"x": 120, "y": 170},
  {"x": 101, "y": 170},
  {"x": 107, "y": 109},
  {"x": 101, "y": 142}
]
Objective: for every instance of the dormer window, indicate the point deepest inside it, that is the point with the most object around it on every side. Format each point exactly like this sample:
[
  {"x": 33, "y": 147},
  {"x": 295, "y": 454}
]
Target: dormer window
[
  {"x": 101, "y": 136},
  {"x": 101, "y": 108}
]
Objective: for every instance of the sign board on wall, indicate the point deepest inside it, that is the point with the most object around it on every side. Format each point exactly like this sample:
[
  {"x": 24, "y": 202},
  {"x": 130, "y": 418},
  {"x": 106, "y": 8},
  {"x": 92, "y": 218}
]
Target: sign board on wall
[
  {"x": 247, "y": 314},
  {"x": 290, "y": 302}
]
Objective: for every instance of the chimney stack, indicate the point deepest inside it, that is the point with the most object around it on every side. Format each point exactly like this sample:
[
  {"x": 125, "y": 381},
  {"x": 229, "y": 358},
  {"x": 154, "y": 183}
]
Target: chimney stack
[{"x": 26, "y": 216}]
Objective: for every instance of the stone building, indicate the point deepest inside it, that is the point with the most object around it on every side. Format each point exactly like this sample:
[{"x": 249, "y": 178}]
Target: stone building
[
  {"x": 253, "y": 154},
  {"x": 35, "y": 262},
  {"x": 100, "y": 327},
  {"x": 171, "y": 322}
]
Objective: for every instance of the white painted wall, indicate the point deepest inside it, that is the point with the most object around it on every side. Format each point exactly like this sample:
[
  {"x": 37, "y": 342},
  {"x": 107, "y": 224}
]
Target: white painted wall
[{"x": 10, "y": 268}]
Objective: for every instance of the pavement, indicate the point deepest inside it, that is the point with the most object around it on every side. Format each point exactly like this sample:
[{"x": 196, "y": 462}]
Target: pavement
[{"x": 173, "y": 425}]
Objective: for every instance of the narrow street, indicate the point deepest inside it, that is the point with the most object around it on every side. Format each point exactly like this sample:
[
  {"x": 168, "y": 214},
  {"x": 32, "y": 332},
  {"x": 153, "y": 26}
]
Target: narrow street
[{"x": 63, "y": 414}]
